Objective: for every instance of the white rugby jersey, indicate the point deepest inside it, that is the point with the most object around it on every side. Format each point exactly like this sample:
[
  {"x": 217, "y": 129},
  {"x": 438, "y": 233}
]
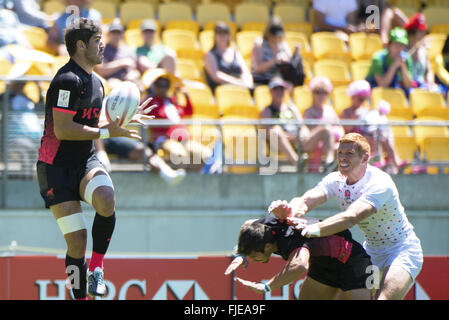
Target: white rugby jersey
[{"x": 389, "y": 224}]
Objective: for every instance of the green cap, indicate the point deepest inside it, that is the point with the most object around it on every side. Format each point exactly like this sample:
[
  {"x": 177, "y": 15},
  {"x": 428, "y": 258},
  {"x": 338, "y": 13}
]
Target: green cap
[{"x": 399, "y": 35}]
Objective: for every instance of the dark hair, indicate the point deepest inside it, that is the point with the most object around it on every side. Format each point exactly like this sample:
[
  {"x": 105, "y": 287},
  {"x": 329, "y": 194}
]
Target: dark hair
[
  {"x": 274, "y": 27},
  {"x": 79, "y": 29},
  {"x": 253, "y": 237}
]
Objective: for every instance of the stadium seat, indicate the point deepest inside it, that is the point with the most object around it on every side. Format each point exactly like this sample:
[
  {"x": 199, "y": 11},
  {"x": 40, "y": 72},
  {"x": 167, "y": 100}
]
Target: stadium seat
[
  {"x": 154, "y": 3},
  {"x": 302, "y": 98},
  {"x": 188, "y": 70},
  {"x": 133, "y": 38},
  {"x": 326, "y": 45},
  {"x": 52, "y": 7},
  {"x": 395, "y": 97},
  {"x": 251, "y": 12},
  {"x": 363, "y": 45},
  {"x": 415, "y": 4},
  {"x": 335, "y": 70},
  {"x": 437, "y": 3},
  {"x": 290, "y": 13},
  {"x": 37, "y": 38},
  {"x": 293, "y": 38},
  {"x": 406, "y": 148},
  {"x": 400, "y": 131},
  {"x": 203, "y": 102},
  {"x": 435, "y": 149},
  {"x": 179, "y": 39},
  {"x": 188, "y": 25},
  {"x": 435, "y": 43},
  {"x": 235, "y": 101},
  {"x": 206, "y": 38},
  {"x": 135, "y": 10},
  {"x": 440, "y": 28},
  {"x": 340, "y": 99},
  {"x": 212, "y": 12},
  {"x": 253, "y": 26},
  {"x": 108, "y": 9},
  {"x": 436, "y": 15},
  {"x": 240, "y": 148},
  {"x": 303, "y": 27},
  {"x": 245, "y": 41},
  {"x": 359, "y": 69},
  {"x": 421, "y": 131},
  {"x": 5, "y": 67},
  {"x": 174, "y": 11},
  {"x": 402, "y": 112},
  {"x": 426, "y": 103}
]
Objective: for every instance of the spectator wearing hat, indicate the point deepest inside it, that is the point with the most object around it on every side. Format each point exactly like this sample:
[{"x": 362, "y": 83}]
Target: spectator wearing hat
[
  {"x": 224, "y": 64},
  {"x": 154, "y": 55},
  {"x": 359, "y": 91},
  {"x": 269, "y": 52},
  {"x": 392, "y": 66},
  {"x": 421, "y": 67},
  {"x": 119, "y": 62},
  {"x": 286, "y": 135}
]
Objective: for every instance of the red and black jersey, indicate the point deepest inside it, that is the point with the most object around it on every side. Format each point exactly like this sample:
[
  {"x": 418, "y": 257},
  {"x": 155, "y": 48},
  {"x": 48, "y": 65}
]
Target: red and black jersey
[
  {"x": 322, "y": 250},
  {"x": 75, "y": 92}
]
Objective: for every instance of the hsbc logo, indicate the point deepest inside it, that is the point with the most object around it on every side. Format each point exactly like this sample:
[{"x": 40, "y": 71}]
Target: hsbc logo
[{"x": 177, "y": 288}]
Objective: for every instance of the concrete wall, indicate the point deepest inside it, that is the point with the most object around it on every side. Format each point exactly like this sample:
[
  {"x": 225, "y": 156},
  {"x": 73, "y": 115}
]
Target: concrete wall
[{"x": 203, "y": 213}]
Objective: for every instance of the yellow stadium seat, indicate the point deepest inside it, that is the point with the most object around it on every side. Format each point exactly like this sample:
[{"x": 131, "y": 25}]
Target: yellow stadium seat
[
  {"x": 37, "y": 38},
  {"x": 179, "y": 39},
  {"x": 294, "y": 38},
  {"x": 359, "y": 69},
  {"x": 326, "y": 45},
  {"x": 253, "y": 26},
  {"x": 423, "y": 102},
  {"x": 290, "y": 13},
  {"x": 174, "y": 11},
  {"x": 206, "y": 38},
  {"x": 245, "y": 41},
  {"x": 340, "y": 99},
  {"x": 435, "y": 44},
  {"x": 54, "y": 6},
  {"x": 402, "y": 112},
  {"x": 437, "y": 3},
  {"x": 232, "y": 26},
  {"x": 188, "y": 25},
  {"x": 154, "y": 3},
  {"x": 135, "y": 10},
  {"x": 303, "y": 27},
  {"x": 308, "y": 71},
  {"x": 195, "y": 55},
  {"x": 203, "y": 102},
  {"x": 406, "y": 148},
  {"x": 440, "y": 28},
  {"x": 133, "y": 38},
  {"x": 251, "y": 12},
  {"x": 302, "y": 98},
  {"x": 60, "y": 61},
  {"x": 363, "y": 45},
  {"x": 421, "y": 131},
  {"x": 416, "y": 4},
  {"x": 400, "y": 131},
  {"x": 5, "y": 67},
  {"x": 240, "y": 148},
  {"x": 235, "y": 101},
  {"x": 436, "y": 15},
  {"x": 188, "y": 70},
  {"x": 396, "y": 97},
  {"x": 262, "y": 97},
  {"x": 212, "y": 12},
  {"x": 335, "y": 70},
  {"x": 108, "y": 9},
  {"x": 436, "y": 149}
]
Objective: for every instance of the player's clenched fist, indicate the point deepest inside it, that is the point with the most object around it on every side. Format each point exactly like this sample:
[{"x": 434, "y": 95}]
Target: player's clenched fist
[{"x": 280, "y": 209}]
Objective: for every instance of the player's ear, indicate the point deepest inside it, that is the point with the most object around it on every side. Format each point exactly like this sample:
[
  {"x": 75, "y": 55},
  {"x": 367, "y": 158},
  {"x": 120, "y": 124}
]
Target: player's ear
[
  {"x": 268, "y": 247},
  {"x": 81, "y": 45}
]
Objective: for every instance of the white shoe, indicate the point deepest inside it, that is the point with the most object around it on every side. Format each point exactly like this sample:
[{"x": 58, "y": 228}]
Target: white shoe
[
  {"x": 173, "y": 177},
  {"x": 95, "y": 279}
]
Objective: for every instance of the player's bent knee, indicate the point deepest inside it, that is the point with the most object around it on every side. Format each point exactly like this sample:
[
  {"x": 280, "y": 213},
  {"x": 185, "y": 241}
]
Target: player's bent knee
[
  {"x": 98, "y": 181},
  {"x": 104, "y": 201}
]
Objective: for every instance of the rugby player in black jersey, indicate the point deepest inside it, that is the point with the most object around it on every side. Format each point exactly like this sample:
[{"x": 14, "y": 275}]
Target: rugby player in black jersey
[
  {"x": 68, "y": 170},
  {"x": 333, "y": 263}
]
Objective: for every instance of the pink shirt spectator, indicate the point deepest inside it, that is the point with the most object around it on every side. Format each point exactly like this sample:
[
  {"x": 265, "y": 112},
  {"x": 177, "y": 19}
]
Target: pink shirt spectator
[{"x": 327, "y": 113}]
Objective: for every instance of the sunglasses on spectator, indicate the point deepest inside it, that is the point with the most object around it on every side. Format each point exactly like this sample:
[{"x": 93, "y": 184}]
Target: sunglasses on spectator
[{"x": 320, "y": 92}]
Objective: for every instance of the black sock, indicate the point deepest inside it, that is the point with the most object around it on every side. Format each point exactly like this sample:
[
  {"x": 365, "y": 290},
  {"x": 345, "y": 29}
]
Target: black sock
[
  {"x": 102, "y": 230},
  {"x": 76, "y": 271}
]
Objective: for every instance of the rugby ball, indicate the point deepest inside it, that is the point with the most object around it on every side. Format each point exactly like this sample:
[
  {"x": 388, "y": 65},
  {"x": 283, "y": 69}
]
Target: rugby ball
[{"x": 123, "y": 102}]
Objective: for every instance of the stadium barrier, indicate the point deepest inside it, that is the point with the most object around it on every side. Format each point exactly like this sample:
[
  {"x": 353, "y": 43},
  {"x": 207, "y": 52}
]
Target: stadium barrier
[{"x": 183, "y": 278}]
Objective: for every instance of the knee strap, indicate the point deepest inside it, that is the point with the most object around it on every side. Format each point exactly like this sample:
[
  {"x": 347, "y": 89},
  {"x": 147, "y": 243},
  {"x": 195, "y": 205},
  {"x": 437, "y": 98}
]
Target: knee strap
[
  {"x": 96, "y": 182},
  {"x": 72, "y": 223}
]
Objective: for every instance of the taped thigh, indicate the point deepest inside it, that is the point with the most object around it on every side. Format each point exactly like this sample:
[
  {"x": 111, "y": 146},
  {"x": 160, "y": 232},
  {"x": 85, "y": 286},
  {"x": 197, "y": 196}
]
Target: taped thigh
[
  {"x": 101, "y": 180},
  {"x": 72, "y": 223}
]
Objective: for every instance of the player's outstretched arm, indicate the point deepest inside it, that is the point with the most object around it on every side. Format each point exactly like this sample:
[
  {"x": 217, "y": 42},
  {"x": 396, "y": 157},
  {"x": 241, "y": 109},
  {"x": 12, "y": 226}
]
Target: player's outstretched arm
[
  {"x": 293, "y": 269},
  {"x": 356, "y": 212},
  {"x": 298, "y": 206}
]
